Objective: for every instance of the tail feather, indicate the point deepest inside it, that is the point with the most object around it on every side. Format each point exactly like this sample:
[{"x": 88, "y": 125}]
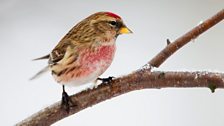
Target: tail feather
[
  {"x": 43, "y": 57},
  {"x": 41, "y": 72}
]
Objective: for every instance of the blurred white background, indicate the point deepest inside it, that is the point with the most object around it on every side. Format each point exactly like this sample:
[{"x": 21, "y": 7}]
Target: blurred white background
[{"x": 29, "y": 29}]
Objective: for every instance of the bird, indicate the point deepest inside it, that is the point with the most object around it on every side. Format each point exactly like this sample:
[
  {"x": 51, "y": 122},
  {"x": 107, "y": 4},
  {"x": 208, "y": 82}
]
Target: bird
[{"x": 85, "y": 52}]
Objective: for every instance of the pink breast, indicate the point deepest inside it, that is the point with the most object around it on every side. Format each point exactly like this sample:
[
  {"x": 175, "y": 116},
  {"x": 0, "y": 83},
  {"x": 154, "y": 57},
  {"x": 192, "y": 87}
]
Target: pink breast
[
  {"x": 101, "y": 58},
  {"x": 92, "y": 65}
]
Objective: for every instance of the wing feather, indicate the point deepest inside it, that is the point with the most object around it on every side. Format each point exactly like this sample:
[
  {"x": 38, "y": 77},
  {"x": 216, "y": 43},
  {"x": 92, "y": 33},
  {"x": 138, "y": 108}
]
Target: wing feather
[
  {"x": 58, "y": 52},
  {"x": 63, "y": 52},
  {"x": 43, "y": 57}
]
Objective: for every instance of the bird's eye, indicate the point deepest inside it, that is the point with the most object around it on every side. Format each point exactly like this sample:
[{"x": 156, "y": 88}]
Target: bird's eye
[{"x": 113, "y": 23}]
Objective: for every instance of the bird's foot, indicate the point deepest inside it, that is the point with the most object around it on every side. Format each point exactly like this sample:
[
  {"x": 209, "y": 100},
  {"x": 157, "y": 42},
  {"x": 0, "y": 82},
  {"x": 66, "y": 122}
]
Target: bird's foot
[
  {"x": 106, "y": 80},
  {"x": 66, "y": 102}
]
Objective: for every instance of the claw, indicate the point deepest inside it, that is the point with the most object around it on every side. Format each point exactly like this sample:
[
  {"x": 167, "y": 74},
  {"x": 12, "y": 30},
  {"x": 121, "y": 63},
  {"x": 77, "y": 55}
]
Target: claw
[
  {"x": 106, "y": 80},
  {"x": 66, "y": 101}
]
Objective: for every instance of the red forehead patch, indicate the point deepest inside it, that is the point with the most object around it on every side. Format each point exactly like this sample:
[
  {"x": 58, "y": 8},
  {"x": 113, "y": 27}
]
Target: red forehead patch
[{"x": 113, "y": 15}]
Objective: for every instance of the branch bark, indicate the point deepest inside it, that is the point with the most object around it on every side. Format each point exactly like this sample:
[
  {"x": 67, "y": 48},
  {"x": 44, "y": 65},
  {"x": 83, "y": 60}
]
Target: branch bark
[{"x": 137, "y": 80}]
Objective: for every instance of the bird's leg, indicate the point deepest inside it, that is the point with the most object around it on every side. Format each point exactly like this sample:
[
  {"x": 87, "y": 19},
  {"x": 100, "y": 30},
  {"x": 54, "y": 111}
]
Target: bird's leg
[
  {"x": 66, "y": 101},
  {"x": 106, "y": 80}
]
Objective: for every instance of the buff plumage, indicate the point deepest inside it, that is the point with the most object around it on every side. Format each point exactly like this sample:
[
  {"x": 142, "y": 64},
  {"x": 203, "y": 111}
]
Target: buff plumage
[{"x": 86, "y": 51}]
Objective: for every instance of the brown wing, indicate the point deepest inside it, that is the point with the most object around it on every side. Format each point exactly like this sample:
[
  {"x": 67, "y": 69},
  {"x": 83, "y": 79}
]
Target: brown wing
[
  {"x": 77, "y": 35},
  {"x": 58, "y": 52}
]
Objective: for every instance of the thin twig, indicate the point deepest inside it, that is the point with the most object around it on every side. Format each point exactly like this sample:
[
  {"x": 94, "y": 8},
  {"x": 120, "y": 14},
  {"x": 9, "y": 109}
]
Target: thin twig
[
  {"x": 180, "y": 42},
  {"x": 137, "y": 80}
]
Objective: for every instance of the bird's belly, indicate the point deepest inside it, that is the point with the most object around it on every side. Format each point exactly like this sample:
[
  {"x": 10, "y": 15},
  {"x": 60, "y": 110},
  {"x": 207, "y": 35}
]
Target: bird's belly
[
  {"x": 88, "y": 74},
  {"x": 92, "y": 66}
]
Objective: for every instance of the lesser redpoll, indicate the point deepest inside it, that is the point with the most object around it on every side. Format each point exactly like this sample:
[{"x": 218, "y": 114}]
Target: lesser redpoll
[{"x": 85, "y": 52}]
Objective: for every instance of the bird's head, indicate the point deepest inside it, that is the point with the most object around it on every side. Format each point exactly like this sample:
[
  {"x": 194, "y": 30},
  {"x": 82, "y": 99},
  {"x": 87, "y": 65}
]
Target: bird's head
[
  {"x": 98, "y": 26},
  {"x": 109, "y": 22}
]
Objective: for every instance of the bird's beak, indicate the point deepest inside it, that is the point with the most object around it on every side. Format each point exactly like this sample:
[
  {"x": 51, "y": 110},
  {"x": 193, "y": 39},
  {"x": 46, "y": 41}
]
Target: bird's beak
[{"x": 124, "y": 30}]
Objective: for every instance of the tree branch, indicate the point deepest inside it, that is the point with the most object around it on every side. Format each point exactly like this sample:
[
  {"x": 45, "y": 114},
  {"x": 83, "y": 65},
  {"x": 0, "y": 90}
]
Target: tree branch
[
  {"x": 137, "y": 80},
  {"x": 187, "y": 37}
]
